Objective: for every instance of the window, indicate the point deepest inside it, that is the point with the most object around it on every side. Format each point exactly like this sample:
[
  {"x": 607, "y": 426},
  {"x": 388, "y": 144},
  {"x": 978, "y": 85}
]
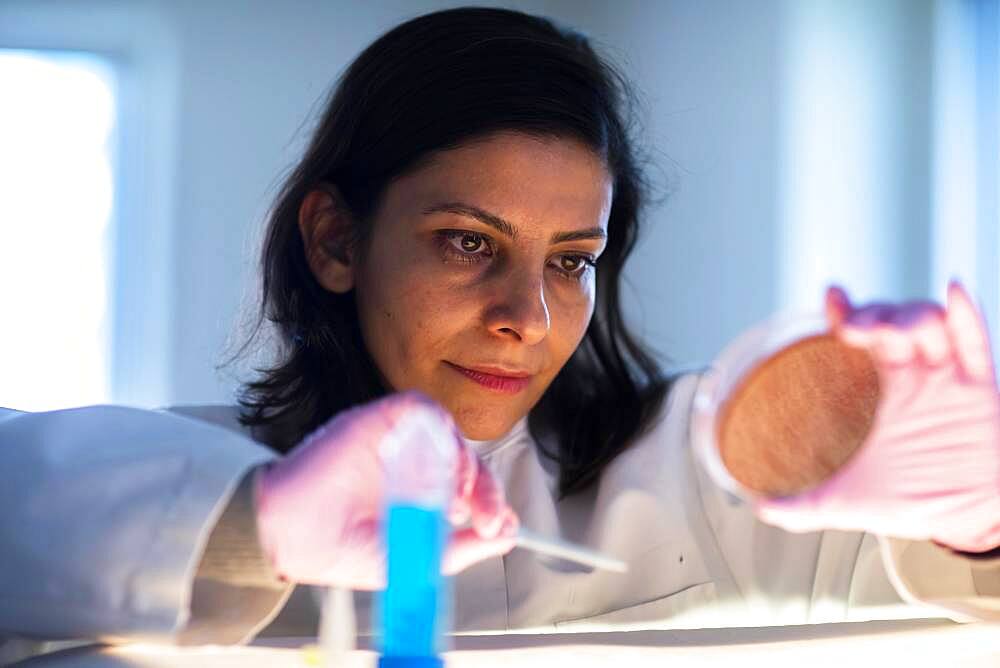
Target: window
[{"x": 57, "y": 129}]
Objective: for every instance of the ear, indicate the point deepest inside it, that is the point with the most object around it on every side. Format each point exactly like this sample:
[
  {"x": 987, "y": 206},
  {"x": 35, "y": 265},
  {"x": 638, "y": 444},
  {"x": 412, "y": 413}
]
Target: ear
[{"x": 327, "y": 229}]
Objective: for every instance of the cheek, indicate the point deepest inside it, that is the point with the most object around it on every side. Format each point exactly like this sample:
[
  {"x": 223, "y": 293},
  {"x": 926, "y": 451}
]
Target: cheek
[
  {"x": 437, "y": 297},
  {"x": 385, "y": 311},
  {"x": 408, "y": 314},
  {"x": 571, "y": 313}
]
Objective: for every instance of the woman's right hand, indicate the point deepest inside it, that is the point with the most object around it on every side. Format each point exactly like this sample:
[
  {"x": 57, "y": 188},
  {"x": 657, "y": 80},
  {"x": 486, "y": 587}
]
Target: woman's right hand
[{"x": 320, "y": 508}]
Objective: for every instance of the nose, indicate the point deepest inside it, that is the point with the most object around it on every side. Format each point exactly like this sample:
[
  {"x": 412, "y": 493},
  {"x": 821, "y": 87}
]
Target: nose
[{"x": 519, "y": 311}]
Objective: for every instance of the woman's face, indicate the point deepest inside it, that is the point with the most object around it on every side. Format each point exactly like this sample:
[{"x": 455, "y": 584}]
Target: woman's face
[{"x": 477, "y": 282}]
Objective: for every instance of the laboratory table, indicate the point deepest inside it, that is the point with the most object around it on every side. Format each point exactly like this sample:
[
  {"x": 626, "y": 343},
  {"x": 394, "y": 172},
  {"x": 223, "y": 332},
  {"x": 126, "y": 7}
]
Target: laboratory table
[{"x": 895, "y": 644}]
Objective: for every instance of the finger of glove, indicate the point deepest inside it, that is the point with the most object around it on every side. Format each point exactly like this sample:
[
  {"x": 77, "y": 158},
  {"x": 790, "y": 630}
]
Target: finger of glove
[
  {"x": 931, "y": 340},
  {"x": 894, "y": 334},
  {"x": 460, "y": 510},
  {"x": 893, "y": 346},
  {"x": 888, "y": 346},
  {"x": 968, "y": 334},
  {"x": 491, "y": 515},
  {"x": 467, "y": 547},
  {"x": 903, "y": 315},
  {"x": 858, "y": 327},
  {"x": 871, "y": 315},
  {"x": 838, "y": 306}
]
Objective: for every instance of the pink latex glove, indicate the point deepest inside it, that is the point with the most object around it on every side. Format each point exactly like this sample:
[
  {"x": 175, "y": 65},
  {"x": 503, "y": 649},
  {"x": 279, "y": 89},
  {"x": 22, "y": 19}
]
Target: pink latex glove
[
  {"x": 930, "y": 468},
  {"x": 320, "y": 509}
]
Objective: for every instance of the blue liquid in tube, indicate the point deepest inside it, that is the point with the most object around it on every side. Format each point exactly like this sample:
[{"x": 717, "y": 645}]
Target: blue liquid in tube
[{"x": 413, "y": 607}]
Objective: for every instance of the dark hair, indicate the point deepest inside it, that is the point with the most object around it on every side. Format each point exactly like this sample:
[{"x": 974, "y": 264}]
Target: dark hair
[{"x": 433, "y": 83}]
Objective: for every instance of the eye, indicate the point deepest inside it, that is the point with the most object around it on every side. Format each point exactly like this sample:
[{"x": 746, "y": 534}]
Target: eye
[
  {"x": 466, "y": 246},
  {"x": 468, "y": 242},
  {"x": 572, "y": 263},
  {"x": 574, "y": 266}
]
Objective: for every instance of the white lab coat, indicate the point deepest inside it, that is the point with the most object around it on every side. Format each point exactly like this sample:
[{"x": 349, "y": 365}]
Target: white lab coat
[{"x": 105, "y": 512}]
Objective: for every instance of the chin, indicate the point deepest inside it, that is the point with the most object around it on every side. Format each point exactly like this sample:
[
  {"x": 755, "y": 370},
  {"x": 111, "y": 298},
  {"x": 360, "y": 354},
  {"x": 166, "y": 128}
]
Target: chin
[{"x": 480, "y": 424}]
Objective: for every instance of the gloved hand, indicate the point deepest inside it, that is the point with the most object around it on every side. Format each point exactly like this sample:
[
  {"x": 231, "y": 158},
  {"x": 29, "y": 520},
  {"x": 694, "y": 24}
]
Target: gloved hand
[
  {"x": 930, "y": 466},
  {"x": 320, "y": 509}
]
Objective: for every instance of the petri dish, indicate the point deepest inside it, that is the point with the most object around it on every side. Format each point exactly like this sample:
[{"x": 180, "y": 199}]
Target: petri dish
[{"x": 783, "y": 407}]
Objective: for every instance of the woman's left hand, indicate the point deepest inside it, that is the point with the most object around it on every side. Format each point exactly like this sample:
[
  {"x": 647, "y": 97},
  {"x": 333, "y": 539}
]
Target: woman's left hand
[{"x": 930, "y": 467}]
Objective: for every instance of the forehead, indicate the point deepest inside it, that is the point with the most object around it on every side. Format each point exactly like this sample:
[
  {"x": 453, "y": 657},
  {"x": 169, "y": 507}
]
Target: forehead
[{"x": 544, "y": 182}]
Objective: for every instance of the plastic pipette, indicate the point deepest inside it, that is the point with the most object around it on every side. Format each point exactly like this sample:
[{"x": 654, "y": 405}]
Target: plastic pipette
[{"x": 562, "y": 549}]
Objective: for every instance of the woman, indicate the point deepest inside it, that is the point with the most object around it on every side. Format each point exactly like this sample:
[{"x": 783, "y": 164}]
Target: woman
[{"x": 451, "y": 246}]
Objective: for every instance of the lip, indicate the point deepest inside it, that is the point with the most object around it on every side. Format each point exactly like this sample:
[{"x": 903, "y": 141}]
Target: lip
[{"x": 506, "y": 381}]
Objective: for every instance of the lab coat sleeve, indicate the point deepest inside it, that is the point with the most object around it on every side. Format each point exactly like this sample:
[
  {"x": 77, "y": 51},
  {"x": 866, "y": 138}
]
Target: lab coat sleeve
[
  {"x": 963, "y": 588},
  {"x": 105, "y": 513},
  {"x": 236, "y": 592}
]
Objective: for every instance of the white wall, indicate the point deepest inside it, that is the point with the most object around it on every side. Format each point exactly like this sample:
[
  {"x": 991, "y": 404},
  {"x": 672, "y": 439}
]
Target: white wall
[
  {"x": 708, "y": 265},
  {"x": 854, "y": 166},
  {"x": 709, "y": 74},
  {"x": 718, "y": 92}
]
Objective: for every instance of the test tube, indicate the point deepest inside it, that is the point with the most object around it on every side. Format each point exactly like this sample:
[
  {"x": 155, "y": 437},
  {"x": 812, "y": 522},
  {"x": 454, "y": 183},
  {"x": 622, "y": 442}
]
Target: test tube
[{"x": 413, "y": 611}]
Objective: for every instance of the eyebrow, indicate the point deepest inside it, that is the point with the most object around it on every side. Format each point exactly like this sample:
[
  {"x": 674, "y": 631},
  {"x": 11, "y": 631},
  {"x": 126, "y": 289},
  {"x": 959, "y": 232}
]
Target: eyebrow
[{"x": 504, "y": 227}]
